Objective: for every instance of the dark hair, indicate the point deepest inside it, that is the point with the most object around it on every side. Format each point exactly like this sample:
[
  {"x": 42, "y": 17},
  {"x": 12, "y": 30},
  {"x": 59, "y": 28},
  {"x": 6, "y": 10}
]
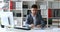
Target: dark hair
[{"x": 34, "y": 6}]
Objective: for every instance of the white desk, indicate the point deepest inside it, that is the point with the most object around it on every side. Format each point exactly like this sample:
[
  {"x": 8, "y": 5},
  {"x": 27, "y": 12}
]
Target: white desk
[{"x": 18, "y": 30}]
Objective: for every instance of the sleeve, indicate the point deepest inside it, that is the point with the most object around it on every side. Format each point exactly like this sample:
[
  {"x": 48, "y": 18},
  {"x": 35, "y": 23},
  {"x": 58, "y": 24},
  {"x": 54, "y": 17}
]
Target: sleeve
[
  {"x": 42, "y": 21},
  {"x": 27, "y": 20}
]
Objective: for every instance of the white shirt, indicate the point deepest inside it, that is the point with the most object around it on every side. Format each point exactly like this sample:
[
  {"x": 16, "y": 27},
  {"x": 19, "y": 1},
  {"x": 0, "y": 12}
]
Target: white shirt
[{"x": 34, "y": 19}]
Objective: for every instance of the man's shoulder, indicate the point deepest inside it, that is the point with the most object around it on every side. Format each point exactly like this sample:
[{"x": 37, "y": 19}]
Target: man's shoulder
[
  {"x": 38, "y": 14},
  {"x": 29, "y": 15}
]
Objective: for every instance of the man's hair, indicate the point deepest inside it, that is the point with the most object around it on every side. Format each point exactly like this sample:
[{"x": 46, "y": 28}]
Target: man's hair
[{"x": 34, "y": 6}]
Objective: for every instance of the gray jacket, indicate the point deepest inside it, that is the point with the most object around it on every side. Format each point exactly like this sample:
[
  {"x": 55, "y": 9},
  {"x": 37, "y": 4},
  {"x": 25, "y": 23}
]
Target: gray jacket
[{"x": 39, "y": 20}]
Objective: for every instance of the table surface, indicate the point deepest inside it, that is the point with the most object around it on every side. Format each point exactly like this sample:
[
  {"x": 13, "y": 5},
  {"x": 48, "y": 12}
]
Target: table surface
[{"x": 19, "y": 30}]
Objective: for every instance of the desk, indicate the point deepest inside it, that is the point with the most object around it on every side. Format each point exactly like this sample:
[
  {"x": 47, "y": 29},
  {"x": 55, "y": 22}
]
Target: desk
[{"x": 18, "y": 30}]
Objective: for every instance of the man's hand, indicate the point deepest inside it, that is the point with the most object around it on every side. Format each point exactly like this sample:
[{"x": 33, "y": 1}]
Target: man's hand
[
  {"x": 38, "y": 26},
  {"x": 32, "y": 26}
]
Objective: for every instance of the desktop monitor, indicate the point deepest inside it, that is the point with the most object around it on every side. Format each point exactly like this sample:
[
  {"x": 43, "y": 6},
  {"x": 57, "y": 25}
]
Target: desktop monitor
[{"x": 7, "y": 19}]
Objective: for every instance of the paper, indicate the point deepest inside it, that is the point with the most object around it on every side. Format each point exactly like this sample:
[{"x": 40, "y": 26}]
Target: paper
[
  {"x": 41, "y": 31},
  {"x": 56, "y": 30}
]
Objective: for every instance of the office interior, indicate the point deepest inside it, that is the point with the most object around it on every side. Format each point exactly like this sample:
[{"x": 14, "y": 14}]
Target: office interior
[{"x": 49, "y": 9}]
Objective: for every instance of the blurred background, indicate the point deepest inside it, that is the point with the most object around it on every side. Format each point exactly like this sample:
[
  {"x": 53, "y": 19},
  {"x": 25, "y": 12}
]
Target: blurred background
[{"x": 49, "y": 9}]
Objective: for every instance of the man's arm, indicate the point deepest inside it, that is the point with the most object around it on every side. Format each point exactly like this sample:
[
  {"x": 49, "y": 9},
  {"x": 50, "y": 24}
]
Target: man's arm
[
  {"x": 42, "y": 21},
  {"x": 27, "y": 22}
]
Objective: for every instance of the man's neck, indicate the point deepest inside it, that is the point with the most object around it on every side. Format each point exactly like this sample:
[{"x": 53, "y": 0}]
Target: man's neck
[{"x": 33, "y": 14}]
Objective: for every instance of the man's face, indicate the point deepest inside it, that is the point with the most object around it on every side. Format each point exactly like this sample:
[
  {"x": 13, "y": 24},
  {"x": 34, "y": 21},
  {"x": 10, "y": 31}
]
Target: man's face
[{"x": 34, "y": 10}]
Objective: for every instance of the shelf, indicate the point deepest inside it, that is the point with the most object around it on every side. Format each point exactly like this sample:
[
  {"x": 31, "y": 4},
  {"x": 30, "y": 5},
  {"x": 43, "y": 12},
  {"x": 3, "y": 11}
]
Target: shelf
[
  {"x": 54, "y": 4},
  {"x": 55, "y": 17},
  {"x": 24, "y": 0},
  {"x": 25, "y": 10}
]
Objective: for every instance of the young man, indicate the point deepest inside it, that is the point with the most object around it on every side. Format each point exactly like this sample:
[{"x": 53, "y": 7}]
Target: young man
[{"x": 34, "y": 19}]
